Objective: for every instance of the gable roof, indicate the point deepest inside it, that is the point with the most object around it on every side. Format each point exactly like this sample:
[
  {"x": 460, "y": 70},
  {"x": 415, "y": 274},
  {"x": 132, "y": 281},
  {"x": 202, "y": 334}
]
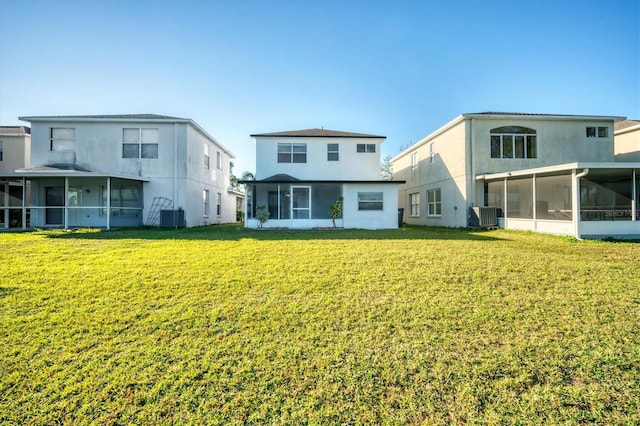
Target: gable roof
[
  {"x": 316, "y": 133},
  {"x": 534, "y": 115},
  {"x": 15, "y": 130}
]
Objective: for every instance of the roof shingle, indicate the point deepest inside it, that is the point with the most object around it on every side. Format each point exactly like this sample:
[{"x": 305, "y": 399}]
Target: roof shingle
[{"x": 316, "y": 133}]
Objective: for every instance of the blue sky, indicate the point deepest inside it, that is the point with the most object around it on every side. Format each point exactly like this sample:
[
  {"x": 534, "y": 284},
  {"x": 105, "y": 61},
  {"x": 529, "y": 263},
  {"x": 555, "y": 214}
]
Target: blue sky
[{"x": 396, "y": 68}]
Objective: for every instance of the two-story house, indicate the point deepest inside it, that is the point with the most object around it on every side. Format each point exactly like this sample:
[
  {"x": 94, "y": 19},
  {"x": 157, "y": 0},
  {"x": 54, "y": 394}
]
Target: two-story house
[
  {"x": 627, "y": 140},
  {"x": 540, "y": 172},
  {"x": 301, "y": 173},
  {"x": 124, "y": 170},
  {"x": 15, "y": 146}
]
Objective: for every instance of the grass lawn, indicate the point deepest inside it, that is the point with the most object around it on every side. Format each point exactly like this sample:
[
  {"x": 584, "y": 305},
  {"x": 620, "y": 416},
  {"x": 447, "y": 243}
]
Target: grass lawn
[{"x": 222, "y": 325}]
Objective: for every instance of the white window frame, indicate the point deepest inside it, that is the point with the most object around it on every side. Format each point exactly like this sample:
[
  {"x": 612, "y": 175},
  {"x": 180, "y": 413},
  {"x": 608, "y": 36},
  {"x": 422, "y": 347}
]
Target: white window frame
[
  {"x": 366, "y": 148},
  {"x": 307, "y": 208},
  {"x": 207, "y": 159},
  {"x": 1, "y": 150},
  {"x": 293, "y": 153},
  {"x": 370, "y": 201},
  {"x": 333, "y": 150},
  {"x": 432, "y": 150},
  {"x": 140, "y": 142},
  {"x": 205, "y": 203},
  {"x": 414, "y": 204},
  {"x": 510, "y": 138},
  {"x": 218, "y": 160},
  {"x": 65, "y": 143},
  {"x": 219, "y": 204},
  {"x": 414, "y": 160},
  {"x": 434, "y": 202},
  {"x": 596, "y": 131}
]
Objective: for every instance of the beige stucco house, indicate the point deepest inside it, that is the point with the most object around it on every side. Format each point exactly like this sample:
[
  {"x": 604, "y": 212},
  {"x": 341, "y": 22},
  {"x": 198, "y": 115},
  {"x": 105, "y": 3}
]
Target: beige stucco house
[
  {"x": 15, "y": 153},
  {"x": 548, "y": 173},
  {"x": 627, "y": 140}
]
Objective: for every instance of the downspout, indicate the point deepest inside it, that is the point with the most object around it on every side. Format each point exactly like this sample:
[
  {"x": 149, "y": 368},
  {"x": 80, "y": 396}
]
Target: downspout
[
  {"x": 175, "y": 173},
  {"x": 576, "y": 201},
  {"x": 24, "y": 203},
  {"x": 473, "y": 184},
  {"x": 108, "y": 203}
]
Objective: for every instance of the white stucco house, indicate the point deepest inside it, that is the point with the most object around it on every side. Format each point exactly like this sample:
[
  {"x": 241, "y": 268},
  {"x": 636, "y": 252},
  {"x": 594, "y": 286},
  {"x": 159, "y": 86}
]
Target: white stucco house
[
  {"x": 548, "y": 173},
  {"x": 122, "y": 170},
  {"x": 301, "y": 173}
]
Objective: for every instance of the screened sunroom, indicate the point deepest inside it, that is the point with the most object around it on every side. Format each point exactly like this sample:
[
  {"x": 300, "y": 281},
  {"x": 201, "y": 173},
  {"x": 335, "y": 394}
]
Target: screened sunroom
[
  {"x": 49, "y": 197},
  {"x": 590, "y": 200}
]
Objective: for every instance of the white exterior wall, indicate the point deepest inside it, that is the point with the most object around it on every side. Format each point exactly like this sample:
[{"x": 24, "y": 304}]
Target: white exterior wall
[
  {"x": 16, "y": 151},
  {"x": 352, "y": 165},
  {"x": 370, "y": 219},
  {"x": 178, "y": 173}
]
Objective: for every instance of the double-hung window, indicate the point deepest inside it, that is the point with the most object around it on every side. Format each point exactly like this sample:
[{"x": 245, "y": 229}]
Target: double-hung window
[
  {"x": 207, "y": 160},
  {"x": 513, "y": 142},
  {"x": 414, "y": 204},
  {"x": 205, "y": 202},
  {"x": 219, "y": 204},
  {"x": 139, "y": 143},
  {"x": 292, "y": 153},
  {"x": 62, "y": 138},
  {"x": 414, "y": 160},
  {"x": 368, "y": 147},
  {"x": 434, "y": 202},
  {"x": 1, "y": 151},
  {"x": 333, "y": 152},
  {"x": 218, "y": 160},
  {"x": 370, "y": 201}
]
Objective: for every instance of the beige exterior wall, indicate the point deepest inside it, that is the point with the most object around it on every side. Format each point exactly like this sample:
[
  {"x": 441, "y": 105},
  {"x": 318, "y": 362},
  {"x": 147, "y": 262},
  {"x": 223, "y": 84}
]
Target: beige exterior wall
[
  {"x": 627, "y": 144},
  {"x": 15, "y": 152},
  {"x": 462, "y": 151}
]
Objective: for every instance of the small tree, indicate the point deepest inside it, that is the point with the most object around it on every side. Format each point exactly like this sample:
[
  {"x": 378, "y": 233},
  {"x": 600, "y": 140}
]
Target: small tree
[
  {"x": 262, "y": 215},
  {"x": 386, "y": 168},
  {"x": 335, "y": 211}
]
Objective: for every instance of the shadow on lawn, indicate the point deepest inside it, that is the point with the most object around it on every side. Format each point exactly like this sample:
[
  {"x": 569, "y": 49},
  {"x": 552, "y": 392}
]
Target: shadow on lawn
[{"x": 236, "y": 232}]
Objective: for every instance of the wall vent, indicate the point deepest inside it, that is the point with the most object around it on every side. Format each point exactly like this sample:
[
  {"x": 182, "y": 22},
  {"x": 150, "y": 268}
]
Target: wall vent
[{"x": 483, "y": 217}]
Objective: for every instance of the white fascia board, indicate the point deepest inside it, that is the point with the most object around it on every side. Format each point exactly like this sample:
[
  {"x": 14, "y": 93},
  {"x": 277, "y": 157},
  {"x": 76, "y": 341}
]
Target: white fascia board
[
  {"x": 72, "y": 119},
  {"x": 559, "y": 168},
  {"x": 430, "y": 137},
  {"x": 14, "y": 134},
  {"x": 543, "y": 117}
]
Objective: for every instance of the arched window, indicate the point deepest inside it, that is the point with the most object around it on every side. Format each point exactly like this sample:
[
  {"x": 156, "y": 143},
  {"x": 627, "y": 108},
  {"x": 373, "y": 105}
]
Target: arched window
[{"x": 513, "y": 142}]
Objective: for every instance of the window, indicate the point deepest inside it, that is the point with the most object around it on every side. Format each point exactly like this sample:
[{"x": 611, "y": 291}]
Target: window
[
  {"x": 292, "y": 153},
  {"x": 431, "y": 152},
  {"x": 1, "y": 151},
  {"x": 434, "y": 202},
  {"x": 219, "y": 204},
  {"x": 414, "y": 204},
  {"x": 205, "y": 202},
  {"x": 414, "y": 161},
  {"x": 206, "y": 156},
  {"x": 369, "y": 147},
  {"x": 62, "y": 138},
  {"x": 597, "y": 132},
  {"x": 370, "y": 201},
  {"x": 333, "y": 152},
  {"x": 139, "y": 143},
  {"x": 513, "y": 142},
  {"x": 218, "y": 160},
  {"x": 125, "y": 199}
]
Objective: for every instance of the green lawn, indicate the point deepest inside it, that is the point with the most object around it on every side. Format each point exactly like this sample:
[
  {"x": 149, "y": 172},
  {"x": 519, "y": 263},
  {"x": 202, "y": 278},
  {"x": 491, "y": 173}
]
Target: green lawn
[{"x": 223, "y": 325}]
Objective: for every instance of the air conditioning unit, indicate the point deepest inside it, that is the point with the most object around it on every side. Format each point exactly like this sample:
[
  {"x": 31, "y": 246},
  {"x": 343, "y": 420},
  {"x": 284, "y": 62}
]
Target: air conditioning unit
[
  {"x": 483, "y": 217},
  {"x": 172, "y": 218}
]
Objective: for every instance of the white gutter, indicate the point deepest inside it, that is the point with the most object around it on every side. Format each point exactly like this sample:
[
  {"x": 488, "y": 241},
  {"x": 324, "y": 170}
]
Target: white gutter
[{"x": 175, "y": 173}]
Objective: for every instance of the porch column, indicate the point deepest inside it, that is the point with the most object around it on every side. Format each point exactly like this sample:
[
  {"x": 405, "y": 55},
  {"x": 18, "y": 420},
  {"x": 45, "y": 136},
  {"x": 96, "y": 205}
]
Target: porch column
[
  {"x": 634, "y": 195},
  {"x": 66, "y": 200},
  {"x": 5, "y": 204},
  {"x": 24, "y": 203},
  {"x": 108, "y": 203}
]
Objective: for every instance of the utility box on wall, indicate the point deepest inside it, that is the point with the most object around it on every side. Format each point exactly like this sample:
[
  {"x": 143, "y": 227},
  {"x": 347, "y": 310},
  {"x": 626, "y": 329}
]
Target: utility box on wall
[{"x": 172, "y": 218}]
